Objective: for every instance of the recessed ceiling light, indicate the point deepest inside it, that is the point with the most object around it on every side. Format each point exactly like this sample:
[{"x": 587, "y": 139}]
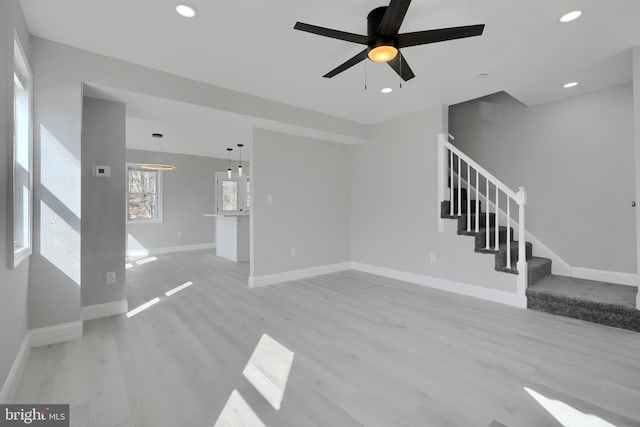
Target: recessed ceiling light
[
  {"x": 386, "y": 90},
  {"x": 186, "y": 10},
  {"x": 570, "y": 85},
  {"x": 571, "y": 16}
]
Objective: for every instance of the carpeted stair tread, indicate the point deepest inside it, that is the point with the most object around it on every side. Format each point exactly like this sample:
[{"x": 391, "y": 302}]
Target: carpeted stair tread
[
  {"x": 586, "y": 290},
  {"x": 598, "y": 302},
  {"x": 501, "y": 255},
  {"x": 537, "y": 268}
]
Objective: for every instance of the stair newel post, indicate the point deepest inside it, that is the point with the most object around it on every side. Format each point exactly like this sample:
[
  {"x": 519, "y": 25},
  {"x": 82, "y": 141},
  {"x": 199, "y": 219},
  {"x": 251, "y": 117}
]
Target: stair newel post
[
  {"x": 521, "y": 199},
  {"x": 468, "y": 197}
]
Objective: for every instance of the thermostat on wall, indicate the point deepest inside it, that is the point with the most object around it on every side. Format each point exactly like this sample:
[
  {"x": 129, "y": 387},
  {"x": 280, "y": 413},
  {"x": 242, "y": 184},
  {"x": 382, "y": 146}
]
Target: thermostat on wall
[{"x": 101, "y": 171}]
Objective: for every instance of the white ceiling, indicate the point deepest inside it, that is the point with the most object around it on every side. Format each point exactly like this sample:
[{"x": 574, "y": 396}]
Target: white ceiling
[{"x": 250, "y": 46}]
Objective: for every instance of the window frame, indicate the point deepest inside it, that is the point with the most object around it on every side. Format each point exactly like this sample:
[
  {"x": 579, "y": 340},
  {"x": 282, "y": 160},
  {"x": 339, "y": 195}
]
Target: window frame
[
  {"x": 243, "y": 196},
  {"x": 159, "y": 197},
  {"x": 21, "y": 65}
]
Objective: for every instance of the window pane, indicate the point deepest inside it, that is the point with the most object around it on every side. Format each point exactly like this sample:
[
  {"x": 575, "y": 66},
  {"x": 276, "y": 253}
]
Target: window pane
[
  {"x": 229, "y": 195},
  {"x": 142, "y": 206},
  {"x": 22, "y": 126},
  {"x": 142, "y": 181},
  {"x": 248, "y": 194}
]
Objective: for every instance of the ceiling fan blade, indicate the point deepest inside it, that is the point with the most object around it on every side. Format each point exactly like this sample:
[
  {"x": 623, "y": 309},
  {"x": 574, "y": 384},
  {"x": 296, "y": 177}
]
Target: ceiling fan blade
[
  {"x": 348, "y": 64},
  {"x": 400, "y": 66},
  {"x": 440, "y": 35},
  {"x": 393, "y": 17},
  {"x": 328, "y": 32}
]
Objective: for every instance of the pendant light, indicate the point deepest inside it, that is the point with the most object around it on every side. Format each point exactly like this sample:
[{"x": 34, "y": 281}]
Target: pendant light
[
  {"x": 162, "y": 166},
  {"x": 229, "y": 150},
  {"x": 240, "y": 163}
]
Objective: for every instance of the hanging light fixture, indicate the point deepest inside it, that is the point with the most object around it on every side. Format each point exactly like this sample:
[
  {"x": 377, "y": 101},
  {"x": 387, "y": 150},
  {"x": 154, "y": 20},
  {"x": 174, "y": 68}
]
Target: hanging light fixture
[
  {"x": 229, "y": 150},
  {"x": 162, "y": 166},
  {"x": 240, "y": 163}
]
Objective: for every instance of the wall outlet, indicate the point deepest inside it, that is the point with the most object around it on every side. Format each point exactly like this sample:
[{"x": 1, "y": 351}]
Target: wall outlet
[
  {"x": 111, "y": 277},
  {"x": 293, "y": 251},
  {"x": 269, "y": 199},
  {"x": 432, "y": 257},
  {"x": 179, "y": 233}
]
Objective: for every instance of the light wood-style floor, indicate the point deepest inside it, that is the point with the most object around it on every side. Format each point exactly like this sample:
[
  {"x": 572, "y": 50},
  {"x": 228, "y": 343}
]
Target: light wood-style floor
[{"x": 368, "y": 352}]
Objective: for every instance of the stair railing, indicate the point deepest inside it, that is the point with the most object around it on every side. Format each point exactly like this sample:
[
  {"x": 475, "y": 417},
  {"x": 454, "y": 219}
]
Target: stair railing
[{"x": 452, "y": 165}]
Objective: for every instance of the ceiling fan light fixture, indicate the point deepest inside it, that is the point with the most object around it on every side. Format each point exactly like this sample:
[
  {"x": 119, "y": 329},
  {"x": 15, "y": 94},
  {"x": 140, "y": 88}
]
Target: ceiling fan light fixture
[
  {"x": 383, "y": 53},
  {"x": 570, "y": 85},
  {"x": 386, "y": 90}
]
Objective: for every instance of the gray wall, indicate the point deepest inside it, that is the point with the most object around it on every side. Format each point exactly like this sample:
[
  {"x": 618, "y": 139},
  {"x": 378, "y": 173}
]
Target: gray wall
[
  {"x": 13, "y": 283},
  {"x": 394, "y": 206},
  {"x": 54, "y": 276},
  {"x": 103, "y": 201},
  {"x": 189, "y": 192},
  {"x": 309, "y": 182},
  {"x": 576, "y": 159}
]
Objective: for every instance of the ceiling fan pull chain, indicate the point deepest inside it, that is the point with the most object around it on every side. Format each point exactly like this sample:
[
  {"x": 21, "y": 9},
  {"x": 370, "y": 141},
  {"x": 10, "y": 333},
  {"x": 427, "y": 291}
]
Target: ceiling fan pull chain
[
  {"x": 365, "y": 75},
  {"x": 400, "y": 75}
]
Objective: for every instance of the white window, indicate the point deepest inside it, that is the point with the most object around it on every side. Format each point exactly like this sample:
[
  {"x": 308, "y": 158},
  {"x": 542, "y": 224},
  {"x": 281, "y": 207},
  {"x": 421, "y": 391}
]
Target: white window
[
  {"x": 144, "y": 198},
  {"x": 22, "y": 155},
  {"x": 233, "y": 195}
]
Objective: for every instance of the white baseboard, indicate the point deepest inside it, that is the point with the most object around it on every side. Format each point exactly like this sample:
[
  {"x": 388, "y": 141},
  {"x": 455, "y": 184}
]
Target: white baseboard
[
  {"x": 55, "y": 334},
  {"x": 98, "y": 311},
  {"x": 11, "y": 383},
  {"x": 606, "y": 276},
  {"x": 169, "y": 249},
  {"x": 494, "y": 295},
  {"x": 269, "y": 279}
]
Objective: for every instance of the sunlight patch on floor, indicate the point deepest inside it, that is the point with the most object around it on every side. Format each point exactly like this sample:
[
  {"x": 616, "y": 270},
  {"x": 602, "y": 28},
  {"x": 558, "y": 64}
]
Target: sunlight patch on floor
[
  {"x": 238, "y": 413},
  {"x": 567, "y": 415},
  {"x": 142, "y": 307},
  {"x": 268, "y": 369}
]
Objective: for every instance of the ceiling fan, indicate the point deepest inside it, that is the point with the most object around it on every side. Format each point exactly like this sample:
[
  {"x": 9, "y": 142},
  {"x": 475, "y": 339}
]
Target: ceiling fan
[{"x": 383, "y": 40}]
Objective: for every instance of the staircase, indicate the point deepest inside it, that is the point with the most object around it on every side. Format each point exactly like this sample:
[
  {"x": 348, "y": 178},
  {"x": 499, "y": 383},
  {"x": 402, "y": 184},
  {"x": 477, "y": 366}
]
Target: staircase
[{"x": 604, "y": 303}]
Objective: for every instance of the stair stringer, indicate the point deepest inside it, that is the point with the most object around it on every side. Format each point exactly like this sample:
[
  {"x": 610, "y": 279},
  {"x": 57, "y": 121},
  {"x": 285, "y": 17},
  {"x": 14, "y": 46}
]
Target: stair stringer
[{"x": 558, "y": 265}]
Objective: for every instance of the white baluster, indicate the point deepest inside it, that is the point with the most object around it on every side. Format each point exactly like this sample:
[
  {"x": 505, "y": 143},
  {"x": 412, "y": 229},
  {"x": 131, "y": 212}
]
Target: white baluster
[
  {"x": 468, "y": 197},
  {"x": 451, "y": 182},
  {"x": 497, "y": 222},
  {"x": 508, "y": 232},
  {"x": 477, "y": 216},
  {"x": 459, "y": 187},
  {"x": 486, "y": 196},
  {"x": 522, "y": 255}
]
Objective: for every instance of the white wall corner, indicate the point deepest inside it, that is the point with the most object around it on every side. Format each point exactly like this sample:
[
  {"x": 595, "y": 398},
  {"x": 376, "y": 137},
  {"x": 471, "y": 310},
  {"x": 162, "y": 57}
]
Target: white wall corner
[
  {"x": 286, "y": 276},
  {"x": 169, "y": 249},
  {"x": 55, "y": 334},
  {"x": 15, "y": 373},
  {"x": 495, "y": 295},
  {"x": 630, "y": 279},
  {"x": 98, "y": 311}
]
